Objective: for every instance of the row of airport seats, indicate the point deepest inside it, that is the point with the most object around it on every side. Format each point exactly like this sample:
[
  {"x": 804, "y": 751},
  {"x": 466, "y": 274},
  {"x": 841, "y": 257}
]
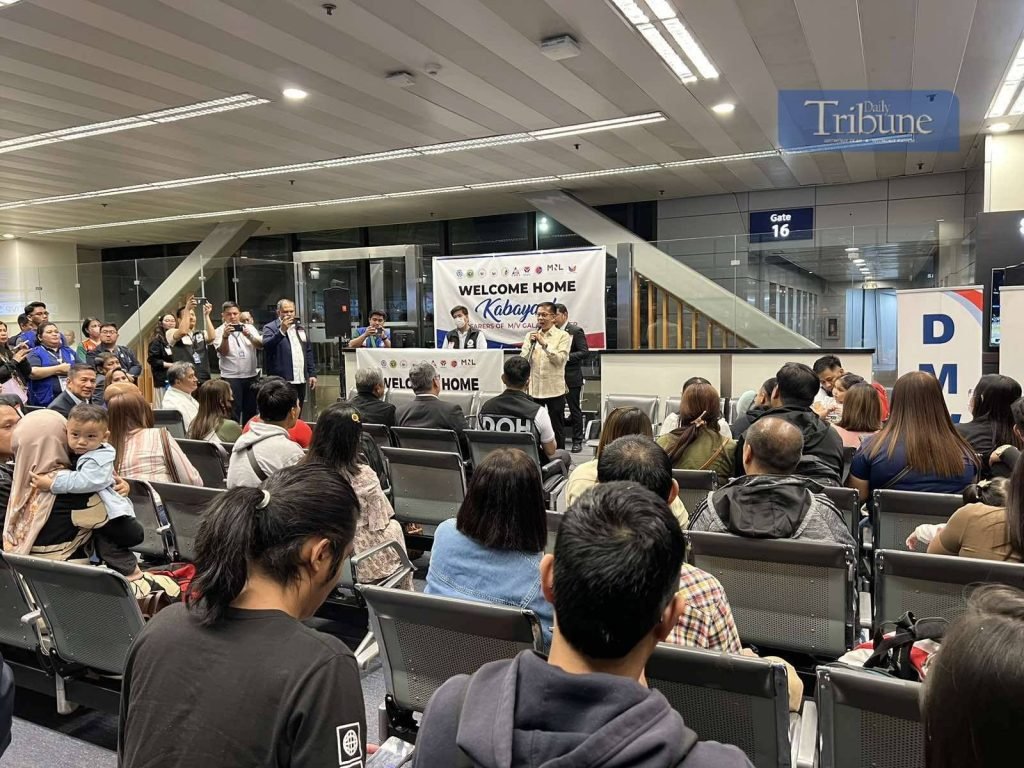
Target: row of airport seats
[
  {"x": 418, "y": 458},
  {"x": 66, "y": 628},
  {"x": 855, "y": 715}
]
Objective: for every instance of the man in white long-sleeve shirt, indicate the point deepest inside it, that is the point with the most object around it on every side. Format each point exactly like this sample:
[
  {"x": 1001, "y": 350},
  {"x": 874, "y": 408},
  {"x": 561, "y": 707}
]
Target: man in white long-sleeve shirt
[{"x": 547, "y": 349}]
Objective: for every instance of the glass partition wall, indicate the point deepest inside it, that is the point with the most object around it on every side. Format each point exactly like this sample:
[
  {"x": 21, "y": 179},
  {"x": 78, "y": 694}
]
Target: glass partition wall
[{"x": 836, "y": 287}]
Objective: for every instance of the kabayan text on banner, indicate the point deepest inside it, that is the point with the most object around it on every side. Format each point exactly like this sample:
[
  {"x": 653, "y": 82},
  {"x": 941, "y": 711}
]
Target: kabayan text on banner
[{"x": 502, "y": 291}]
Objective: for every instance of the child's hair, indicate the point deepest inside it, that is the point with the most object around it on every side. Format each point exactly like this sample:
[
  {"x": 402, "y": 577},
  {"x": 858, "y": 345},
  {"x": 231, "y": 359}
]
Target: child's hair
[
  {"x": 88, "y": 413},
  {"x": 992, "y": 492}
]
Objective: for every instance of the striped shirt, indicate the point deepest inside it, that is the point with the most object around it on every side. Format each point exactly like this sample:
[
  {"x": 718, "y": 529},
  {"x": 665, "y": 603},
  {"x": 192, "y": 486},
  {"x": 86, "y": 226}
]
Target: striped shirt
[{"x": 143, "y": 459}]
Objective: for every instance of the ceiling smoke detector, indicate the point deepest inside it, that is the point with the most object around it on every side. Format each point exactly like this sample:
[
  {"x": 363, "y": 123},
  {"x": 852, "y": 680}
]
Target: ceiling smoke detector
[{"x": 560, "y": 47}]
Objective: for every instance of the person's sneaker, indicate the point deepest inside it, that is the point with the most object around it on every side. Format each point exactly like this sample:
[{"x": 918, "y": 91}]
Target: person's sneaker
[{"x": 577, "y": 446}]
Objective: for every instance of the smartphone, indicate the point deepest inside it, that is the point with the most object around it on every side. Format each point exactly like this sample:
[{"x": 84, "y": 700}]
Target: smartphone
[
  {"x": 200, "y": 300},
  {"x": 391, "y": 754}
]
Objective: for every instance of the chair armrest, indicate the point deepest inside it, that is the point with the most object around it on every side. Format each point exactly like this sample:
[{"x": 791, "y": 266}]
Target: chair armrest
[
  {"x": 553, "y": 468},
  {"x": 405, "y": 567},
  {"x": 804, "y": 737}
]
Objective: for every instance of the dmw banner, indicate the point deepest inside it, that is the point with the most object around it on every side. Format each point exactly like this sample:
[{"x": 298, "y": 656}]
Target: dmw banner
[
  {"x": 502, "y": 291},
  {"x": 940, "y": 332},
  {"x": 460, "y": 370}
]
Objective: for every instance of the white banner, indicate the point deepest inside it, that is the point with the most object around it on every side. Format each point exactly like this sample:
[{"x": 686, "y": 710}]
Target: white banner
[
  {"x": 460, "y": 370},
  {"x": 1011, "y": 331},
  {"x": 940, "y": 332},
  {"x": 502, "y": 291}
]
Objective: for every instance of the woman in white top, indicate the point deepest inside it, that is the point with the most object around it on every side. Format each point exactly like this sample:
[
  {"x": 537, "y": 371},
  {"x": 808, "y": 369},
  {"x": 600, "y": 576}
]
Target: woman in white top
[
  {"x": 627, "y": 420},
  {"x": 188, "y": 343}
]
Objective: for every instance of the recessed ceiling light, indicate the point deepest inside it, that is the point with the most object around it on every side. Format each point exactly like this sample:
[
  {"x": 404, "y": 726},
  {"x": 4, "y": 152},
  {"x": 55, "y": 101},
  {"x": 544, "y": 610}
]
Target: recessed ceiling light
[
  {"x": 852, "y": 249},
  {"x": 725, "y": 108},
  {"x": 999, "y": 127},
  {"x": 294, "y": 94},
  {"x": 8, "y": 236},
  {"x": 858, "y": 261}
]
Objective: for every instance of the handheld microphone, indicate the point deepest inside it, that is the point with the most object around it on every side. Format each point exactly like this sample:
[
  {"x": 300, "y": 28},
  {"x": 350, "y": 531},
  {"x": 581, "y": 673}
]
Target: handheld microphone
[{"x": 533, "y": 342}]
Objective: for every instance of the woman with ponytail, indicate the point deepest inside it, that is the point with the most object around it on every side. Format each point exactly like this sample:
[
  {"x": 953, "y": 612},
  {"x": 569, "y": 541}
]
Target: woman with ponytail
[
  {"x": 234, "y": 677},
  {"x": 696, "y": 443}
]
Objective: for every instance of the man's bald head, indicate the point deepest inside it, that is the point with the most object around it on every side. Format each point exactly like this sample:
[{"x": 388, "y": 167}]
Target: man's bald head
[{"x": 772, "y": 446}]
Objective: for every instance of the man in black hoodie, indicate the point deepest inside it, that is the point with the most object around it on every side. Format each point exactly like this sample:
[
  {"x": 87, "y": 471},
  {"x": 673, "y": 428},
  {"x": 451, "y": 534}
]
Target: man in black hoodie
[
  {"x": 613, "y": 581},
  {"x": 822, "y": 457}
]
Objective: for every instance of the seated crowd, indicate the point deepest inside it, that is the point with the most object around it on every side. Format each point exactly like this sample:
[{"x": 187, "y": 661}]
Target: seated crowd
[{"x": 613, "y": 584}]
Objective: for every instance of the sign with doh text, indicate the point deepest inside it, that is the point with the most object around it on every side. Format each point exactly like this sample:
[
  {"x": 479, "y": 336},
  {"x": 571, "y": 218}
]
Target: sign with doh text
[
  {"x": 459, "y": 370},
  {"x": 940, "y": 333},
  {"x": 869, "y": 121},
  {"x": 501, "y": 292}
]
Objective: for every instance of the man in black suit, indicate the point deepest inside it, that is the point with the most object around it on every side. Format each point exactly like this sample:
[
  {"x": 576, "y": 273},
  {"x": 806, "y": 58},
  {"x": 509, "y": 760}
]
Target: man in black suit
[
  {"x": 428, "y": 410},
  {"x": 80, "y": 388},
  {"x": 369, "y": 399},
  {"x": 578, "y": 352}
]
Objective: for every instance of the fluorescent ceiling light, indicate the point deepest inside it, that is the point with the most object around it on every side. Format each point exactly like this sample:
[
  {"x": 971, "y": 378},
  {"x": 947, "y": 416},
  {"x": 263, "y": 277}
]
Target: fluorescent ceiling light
[
  {"x": 852, "y": 249},
  {"x": 693, "y": 52},
  {"x": 609, "y": 172},
  {"x": 514, "y": 182},
  {"x": 631, "y": 11},
  {"x": 294, "y": 94},
  {"x": 662, "y": 9},
  {"x": 598, "y": 125},
  {"x": 858, "y": 261},
  {"x": 667, "y": 53},
  {"x": 999, "y": 127},
  {"x": 725, "y": 108},
  {"x": 8, "y": 2},
  {"x": 8, "y": 236},
  {"x": 666, "y": 18},
  {"x": 722, "y": 159},
  {"x": 1008, "y": 87},
  {"x": 485, "y": 142},
  {"x": 397, "y": 195},
  {"x": 239, "y": 101}
]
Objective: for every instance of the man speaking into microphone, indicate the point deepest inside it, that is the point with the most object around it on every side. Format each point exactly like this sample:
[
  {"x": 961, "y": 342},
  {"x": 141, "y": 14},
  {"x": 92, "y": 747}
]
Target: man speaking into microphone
[{"x": 547, "y": 349}]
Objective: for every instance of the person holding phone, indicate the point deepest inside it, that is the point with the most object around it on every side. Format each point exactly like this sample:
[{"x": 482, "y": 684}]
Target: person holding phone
[
  {"x": 236, "y": 343},
  {"x": 374, "y": 334},
  {"x": 288, "y": 352},
  {"x": 188, "y": 343}
]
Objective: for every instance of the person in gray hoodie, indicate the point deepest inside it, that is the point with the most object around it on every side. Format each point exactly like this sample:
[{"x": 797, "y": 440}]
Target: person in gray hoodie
[
  {"x": 770, "y": 502},
  {"x": 613, "y": 581},
  {"x": 266, "y": 447}
]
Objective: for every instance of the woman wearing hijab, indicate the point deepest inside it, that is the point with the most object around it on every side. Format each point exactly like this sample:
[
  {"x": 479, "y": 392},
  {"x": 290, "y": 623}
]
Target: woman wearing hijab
[{"x": 40, "y": 523}]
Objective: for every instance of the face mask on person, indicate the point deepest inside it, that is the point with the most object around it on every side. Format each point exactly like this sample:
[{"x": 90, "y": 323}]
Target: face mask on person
[{"x": 460, "y": 322}]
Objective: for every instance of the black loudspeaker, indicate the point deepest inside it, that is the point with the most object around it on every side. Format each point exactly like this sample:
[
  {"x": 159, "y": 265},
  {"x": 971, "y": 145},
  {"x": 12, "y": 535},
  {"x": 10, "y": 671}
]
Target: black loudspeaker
[{"x": 337, "y": 312}]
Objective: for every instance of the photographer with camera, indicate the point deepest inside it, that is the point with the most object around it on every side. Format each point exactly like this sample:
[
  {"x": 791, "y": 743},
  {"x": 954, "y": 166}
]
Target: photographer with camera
[
  {"x": 374, "y": 334},
  {"x": 236, "y": 344},
  {"x": 287, "y": 350}
]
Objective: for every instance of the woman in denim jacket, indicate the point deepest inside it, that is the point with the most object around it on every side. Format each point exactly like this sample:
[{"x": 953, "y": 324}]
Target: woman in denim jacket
[{"x": 491, "y": 552}]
